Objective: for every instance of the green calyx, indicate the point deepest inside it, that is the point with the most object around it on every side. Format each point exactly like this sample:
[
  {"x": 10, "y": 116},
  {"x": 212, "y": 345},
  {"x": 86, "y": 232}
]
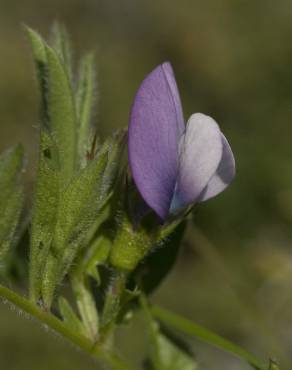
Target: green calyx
[
  {"x": 130, "y": 246},
  {"x": 135, "y": 242}
]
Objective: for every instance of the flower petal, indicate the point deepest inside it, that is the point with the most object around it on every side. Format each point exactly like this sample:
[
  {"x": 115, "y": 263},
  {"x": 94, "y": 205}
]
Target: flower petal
[
  {"x": 168, "y": 72},
  {"x": 223, "y": 175},
  {"x": 156, "y": 124},
  {"x": 200, "y": 155}
]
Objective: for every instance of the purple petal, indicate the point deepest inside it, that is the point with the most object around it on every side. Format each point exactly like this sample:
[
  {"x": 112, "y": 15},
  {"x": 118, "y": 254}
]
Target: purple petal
[
  {"x": 156, "y": 124},
  {"x": 168, "y": 72},
  {"x": 224, "y": 174},
  {"x": 200, "y": 155}
]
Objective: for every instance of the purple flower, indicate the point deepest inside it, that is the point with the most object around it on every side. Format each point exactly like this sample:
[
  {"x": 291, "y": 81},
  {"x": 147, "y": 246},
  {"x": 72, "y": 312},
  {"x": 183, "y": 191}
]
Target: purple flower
[{"x": 173, "y": 165}]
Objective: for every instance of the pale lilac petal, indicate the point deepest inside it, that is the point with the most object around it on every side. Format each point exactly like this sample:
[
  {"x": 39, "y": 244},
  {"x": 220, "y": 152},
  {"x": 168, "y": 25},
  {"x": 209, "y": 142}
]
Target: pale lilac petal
[
  {"x": 200, "y": 155},
  {"x": 156, "y": 124},
  {"x": 224, "y": 174}
]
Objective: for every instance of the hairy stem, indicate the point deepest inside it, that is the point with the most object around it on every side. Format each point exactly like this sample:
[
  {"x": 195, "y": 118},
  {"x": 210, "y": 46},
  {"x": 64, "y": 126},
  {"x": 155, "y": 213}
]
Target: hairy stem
[
  {"x": 58, "y": 326},
  {"x": 112, "y": 306}
]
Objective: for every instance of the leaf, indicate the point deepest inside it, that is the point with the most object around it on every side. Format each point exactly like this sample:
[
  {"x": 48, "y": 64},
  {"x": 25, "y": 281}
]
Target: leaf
[
  {"x": 171, "y": 357},
  {"x": 115, "y": 146},
  {"x": 190, "y": 328},
  {"x": 61, "y": 43},
  {"x": 166, "y": 354},
  {"x": 81, "y": 202},
  {"x": 153, "y": 270},
  {"x": 97, "y": 246},
  {"x": 70, "y": 318},
  {"x": 98, "y": 240},
  {"x": 58, "y": 106},
  {"x": 11, "y": 163},
  {"x": 62, "y": 114},
  {"x": 78, "y": 208},
  {"x": 9, "y": 220},
  {"x": 11, "y": 197},
  {"x": 41, "y": 63},
  {"x": 85, "y": 303},
  {"x": 273, "y": 365},
  {"x": 85, "y": 97},
  {"x": 44, "y": 213},
  {"x": 99, "y": 252}
]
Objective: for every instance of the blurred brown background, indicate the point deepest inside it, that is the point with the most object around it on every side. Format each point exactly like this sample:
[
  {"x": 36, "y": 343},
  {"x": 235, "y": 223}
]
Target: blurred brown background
[{"x": 232, "y": 60}]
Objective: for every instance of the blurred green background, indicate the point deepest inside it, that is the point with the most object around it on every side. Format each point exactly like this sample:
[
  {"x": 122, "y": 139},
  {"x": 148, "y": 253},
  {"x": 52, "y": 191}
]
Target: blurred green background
[{"x": 232, "y": 60}]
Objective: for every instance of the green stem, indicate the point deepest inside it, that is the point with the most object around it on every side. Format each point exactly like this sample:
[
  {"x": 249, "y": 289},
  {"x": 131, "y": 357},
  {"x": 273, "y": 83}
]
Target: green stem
[
  {"x": 57, "y": 325},
  {"x": 113, "y": 297},
  {"x": 205, "y": 335},
  {"x": 111, "y": 308}
]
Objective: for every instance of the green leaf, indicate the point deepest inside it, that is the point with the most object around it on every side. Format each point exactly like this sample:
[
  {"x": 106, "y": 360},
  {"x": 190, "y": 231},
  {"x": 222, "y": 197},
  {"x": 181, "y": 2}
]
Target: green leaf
[
  {"x": 85, "y": 97},
  {"x": 78, "y": 208},
  {"x": 273, "y": 365},
  {"x": 60, "y": 41},
  {"x": 99, "y": 252},
  {"x": 11, "y": 164},
  {"x": 165, "y": 354},
  {"x": 43, "y": 214},
  {"x": 97, "y": 246},
  {"x": 62, "y": 114},
  {"x": 11, "y": 197},
  {"x": 171, "y": 357},
  {"x": 41, "y": 64},
  {"x": 190, "y": 328},
  {"x": 116, "y": 145},
  {"x": 69, "y": 317},
  {"x": 81, "y": 202},
  {"x": 85, "y": 303},
  {"x": 58, "y": 106},
  {"x": 98, "y": 240}
]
